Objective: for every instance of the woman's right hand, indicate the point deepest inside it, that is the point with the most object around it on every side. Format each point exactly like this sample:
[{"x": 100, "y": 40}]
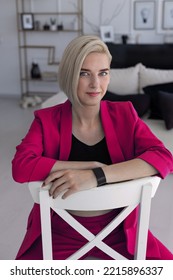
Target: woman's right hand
[{"x": 69, "y": 182}]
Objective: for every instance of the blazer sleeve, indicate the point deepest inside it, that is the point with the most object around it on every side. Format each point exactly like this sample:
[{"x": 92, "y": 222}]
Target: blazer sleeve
[
  {"x": 30, "y": 163},
  {"x": 149, "y": 148}
]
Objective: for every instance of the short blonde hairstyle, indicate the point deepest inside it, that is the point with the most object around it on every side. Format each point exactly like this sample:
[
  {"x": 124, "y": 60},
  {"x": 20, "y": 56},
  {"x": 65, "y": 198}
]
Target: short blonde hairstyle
[{"x": 72, "y": 60}]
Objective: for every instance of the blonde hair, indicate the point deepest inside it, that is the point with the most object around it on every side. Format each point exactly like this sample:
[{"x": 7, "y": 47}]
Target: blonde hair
[{"x": 72, "y": 60}]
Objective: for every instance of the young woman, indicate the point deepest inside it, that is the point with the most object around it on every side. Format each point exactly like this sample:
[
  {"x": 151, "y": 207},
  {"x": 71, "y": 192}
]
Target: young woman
[{"x": 83, "y": 143}]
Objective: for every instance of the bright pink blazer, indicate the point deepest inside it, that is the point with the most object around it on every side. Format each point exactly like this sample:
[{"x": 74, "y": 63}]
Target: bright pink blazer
[{"x": 49, "y": 140}]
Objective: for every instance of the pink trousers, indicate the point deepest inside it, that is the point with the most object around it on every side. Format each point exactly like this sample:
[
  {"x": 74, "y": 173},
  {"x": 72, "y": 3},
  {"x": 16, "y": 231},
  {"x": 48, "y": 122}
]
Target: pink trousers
[{"x": 66, "y": 240}]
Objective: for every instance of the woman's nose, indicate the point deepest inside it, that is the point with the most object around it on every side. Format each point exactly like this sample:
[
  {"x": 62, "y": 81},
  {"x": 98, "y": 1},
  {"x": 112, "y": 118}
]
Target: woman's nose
[{"x": 94, "y": 82}]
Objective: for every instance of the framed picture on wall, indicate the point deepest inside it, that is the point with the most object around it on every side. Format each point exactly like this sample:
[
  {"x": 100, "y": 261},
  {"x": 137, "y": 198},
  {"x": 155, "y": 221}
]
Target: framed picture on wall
[
  {"x": 27, "y": 21},
  {"x": 107, "y": 33},
  {"x": 144, "y": 15},
  {"x": 167, "y": 15}
]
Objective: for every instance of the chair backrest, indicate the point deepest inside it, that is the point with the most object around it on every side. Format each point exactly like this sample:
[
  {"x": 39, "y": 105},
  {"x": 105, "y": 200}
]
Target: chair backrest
[{"x": 127, "y": 194}]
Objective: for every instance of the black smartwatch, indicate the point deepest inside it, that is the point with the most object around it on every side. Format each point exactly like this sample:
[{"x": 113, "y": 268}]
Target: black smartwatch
[{"x": 100, "y": 176}]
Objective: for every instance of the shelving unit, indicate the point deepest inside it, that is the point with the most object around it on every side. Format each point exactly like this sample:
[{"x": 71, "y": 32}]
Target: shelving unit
[{"x": 42, "y": 46}]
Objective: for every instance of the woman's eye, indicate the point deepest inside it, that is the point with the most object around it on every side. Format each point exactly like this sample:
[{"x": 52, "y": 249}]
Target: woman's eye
[
  {"x": 83, "y": 74},
  {"x": 104, "y": 73}
]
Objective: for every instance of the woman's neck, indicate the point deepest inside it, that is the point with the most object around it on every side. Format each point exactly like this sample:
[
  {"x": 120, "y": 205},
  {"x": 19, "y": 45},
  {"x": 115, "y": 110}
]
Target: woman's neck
[
  {"x": 86, "y": 116},
  {"x": 87, "y": 125}
]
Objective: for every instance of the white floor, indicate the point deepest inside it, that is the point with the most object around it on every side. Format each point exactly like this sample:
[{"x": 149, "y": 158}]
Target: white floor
[{"x": 15, "y": 200}]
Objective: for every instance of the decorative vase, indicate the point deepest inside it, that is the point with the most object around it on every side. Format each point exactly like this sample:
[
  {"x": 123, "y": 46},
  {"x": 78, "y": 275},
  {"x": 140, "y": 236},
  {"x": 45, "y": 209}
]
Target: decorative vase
[{"x": 35, "y": 71}]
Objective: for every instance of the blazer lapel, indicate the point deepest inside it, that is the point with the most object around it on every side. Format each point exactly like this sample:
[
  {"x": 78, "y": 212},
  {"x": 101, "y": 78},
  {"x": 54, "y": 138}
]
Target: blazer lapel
[
  {"x": 112, "y": 140},
  {"x": 65, "y": 131}
]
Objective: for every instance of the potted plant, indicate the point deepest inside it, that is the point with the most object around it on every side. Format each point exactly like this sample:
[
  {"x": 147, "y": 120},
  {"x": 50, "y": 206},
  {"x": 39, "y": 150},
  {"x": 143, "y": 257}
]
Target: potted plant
[{"x": 53, "y": 24}]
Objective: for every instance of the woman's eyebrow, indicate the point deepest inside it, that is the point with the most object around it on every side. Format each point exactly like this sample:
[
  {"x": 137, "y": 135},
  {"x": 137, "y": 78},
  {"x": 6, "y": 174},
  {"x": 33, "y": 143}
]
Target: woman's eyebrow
[
  {"x": 105, "y": 69},
  {"x": 84, "y": 69}
]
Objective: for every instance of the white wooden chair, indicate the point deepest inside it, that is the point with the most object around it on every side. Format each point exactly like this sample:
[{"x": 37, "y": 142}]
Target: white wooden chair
[{"x": 127, "y": 194}]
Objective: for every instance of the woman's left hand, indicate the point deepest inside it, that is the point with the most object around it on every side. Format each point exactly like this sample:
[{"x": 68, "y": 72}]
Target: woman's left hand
[{"x": 70, "y": 181}]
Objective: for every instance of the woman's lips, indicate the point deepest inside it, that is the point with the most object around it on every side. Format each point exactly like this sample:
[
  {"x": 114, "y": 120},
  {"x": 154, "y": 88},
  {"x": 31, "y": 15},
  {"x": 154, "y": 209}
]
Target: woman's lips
[{"x": 93, "y": 93}]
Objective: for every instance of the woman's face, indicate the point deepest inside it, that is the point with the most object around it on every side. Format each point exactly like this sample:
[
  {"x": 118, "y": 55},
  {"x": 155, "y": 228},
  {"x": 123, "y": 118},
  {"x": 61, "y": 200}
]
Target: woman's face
[{"x": 94, "y": 79}]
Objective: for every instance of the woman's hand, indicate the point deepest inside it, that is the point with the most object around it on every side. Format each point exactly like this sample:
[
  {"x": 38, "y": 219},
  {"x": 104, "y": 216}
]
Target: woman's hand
[{"x": 70, "y": 181}]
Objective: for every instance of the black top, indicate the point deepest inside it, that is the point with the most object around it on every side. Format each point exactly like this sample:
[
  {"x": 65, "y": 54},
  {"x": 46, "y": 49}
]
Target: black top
[{"x": 83, "y": 152}]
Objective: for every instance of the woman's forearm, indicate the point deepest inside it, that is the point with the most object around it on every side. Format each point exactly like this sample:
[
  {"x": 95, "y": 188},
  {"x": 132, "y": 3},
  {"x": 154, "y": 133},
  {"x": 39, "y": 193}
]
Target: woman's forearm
[
  {"x": 71, "y": 178},
  {"x": 64, "y": 165},
  {"x": 132, "y": 169}
]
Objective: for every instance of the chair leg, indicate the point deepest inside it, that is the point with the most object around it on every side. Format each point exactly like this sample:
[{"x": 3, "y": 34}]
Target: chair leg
[
  {"x": 143, "y": 225},
  {"x": 46, "y": 225}
]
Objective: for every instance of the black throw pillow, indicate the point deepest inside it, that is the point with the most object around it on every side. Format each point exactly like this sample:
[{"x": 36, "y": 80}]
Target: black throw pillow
[
  {"x": 165, "y": 102},
  {"x": 153, "y": 91},
  {"x": 141, "y": 102}
]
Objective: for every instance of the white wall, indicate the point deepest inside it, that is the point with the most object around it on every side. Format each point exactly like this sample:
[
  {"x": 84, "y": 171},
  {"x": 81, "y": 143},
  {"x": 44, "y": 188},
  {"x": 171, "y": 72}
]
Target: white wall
[
  {"x": 9, "y": 65},
  {"x": 93, "y": 18},
  {"x": 119, "y": 14}
]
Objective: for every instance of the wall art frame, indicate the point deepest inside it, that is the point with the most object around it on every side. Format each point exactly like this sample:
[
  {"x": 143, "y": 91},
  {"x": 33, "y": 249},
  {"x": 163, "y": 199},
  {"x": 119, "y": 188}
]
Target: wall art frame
[
  {"x": 167, "y": 16},
  {"x": 107, "y": 33},
  {"x": 144, "y": 15},
  {"x": 27, "y": 21}
]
